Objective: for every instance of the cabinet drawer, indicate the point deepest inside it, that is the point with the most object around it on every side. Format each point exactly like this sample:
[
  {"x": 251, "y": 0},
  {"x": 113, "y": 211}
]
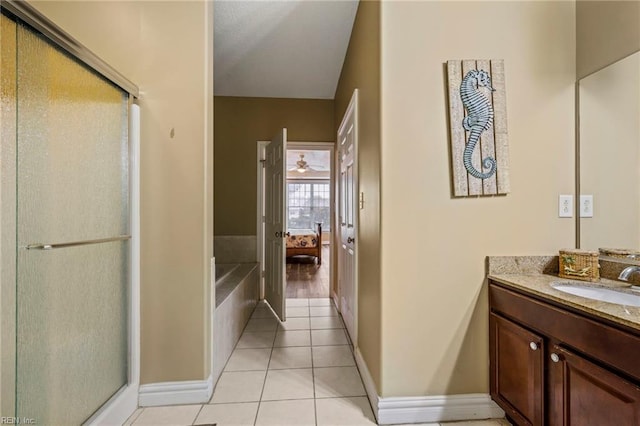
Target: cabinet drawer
[{"x": 612, "y": 346}]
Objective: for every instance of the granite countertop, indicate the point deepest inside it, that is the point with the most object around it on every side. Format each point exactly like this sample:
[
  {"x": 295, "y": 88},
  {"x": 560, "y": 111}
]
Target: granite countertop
[{"x": 535, "y": 275}]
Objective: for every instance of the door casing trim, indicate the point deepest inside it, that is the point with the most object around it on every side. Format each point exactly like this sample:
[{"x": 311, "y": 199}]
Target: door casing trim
[{"x": 260, "y": 238}]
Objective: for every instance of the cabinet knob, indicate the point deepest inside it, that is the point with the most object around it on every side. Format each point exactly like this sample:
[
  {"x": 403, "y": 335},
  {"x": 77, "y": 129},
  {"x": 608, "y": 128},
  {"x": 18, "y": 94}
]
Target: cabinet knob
[
  {"x": 533, "y": 346},
  {"x": 555, "y": 357}
]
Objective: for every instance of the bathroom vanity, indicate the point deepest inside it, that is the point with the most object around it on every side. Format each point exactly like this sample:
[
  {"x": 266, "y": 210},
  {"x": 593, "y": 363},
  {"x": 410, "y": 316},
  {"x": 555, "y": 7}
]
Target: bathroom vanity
[{"x": 560, "y": 359}]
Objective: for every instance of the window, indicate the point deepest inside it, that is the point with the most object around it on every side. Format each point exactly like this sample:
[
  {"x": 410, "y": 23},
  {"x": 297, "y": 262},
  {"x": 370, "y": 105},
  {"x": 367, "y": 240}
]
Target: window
[{"x": 309, "y": 202}]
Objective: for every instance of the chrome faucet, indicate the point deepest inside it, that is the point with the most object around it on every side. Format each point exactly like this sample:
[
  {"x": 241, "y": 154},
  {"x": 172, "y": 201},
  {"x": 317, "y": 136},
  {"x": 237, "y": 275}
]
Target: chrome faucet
[{"x": 627, "y": 272}]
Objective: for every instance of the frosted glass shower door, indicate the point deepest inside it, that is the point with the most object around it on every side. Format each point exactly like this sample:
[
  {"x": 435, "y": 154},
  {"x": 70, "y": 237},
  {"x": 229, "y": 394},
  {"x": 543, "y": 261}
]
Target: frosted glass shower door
[{"x": 72, "y": 236}]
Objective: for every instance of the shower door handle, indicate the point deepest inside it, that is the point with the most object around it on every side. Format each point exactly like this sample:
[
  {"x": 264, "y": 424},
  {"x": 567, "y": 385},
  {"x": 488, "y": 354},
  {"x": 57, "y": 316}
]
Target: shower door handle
[{"x": 76, "y": 243}]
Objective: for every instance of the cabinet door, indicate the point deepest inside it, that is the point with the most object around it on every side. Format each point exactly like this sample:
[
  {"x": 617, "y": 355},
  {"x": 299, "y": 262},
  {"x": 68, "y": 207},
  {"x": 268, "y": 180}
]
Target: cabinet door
[
  {"x": 582, "y": 393},
  {"x": 517, "y": 372}
]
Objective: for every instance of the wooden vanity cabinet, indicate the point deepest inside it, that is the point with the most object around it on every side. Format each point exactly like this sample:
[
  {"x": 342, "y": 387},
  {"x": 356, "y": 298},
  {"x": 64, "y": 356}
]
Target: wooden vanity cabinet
[{"x": 553, "y": 366}]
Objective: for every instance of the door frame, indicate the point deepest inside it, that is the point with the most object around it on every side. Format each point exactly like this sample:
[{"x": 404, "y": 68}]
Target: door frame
[
  {"x": 260, "y": 212},
  {"x": 260, "y": 237},
  {"x": 358, "y": 200}
]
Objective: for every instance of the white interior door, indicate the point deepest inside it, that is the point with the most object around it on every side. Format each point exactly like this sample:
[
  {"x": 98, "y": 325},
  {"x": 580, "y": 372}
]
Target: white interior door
[
  {"x": 347, "y": 199},
  {"x": 275, "y": 223}
]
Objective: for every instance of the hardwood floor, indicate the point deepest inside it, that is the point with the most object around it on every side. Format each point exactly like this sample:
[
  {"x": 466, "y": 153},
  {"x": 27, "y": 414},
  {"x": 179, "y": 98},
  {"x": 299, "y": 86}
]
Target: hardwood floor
[{"x": 306, "y": 279}]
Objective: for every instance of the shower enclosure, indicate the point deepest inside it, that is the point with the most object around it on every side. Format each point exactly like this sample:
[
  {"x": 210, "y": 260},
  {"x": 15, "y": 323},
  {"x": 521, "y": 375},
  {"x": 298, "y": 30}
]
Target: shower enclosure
[{"x": 65, "y": 244}]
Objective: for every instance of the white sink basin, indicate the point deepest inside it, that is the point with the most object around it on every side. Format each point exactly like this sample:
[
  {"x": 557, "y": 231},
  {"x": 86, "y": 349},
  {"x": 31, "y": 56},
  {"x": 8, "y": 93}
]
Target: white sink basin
[{"x": 619, "y": 297}]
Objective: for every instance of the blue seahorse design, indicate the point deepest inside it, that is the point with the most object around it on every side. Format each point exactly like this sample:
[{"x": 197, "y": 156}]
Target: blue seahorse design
[{"x": 479, "y": 118}]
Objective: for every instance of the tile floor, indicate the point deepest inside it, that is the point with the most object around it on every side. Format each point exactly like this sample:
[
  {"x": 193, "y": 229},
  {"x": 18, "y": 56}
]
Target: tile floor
[{"x": 300, "y": 372}]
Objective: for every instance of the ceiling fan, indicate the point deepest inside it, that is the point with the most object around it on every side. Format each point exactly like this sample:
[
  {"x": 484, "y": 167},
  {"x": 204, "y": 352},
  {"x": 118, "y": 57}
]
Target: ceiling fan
[{"x": 301, "y": 165}]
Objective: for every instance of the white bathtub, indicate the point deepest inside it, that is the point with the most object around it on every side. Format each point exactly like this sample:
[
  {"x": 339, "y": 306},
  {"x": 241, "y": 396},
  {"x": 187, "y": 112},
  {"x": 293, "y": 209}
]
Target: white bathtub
[
  {"x": 223, "y": 270},
  {"x": 231, "y": 275},
  {"x": 236, "y": 297}
]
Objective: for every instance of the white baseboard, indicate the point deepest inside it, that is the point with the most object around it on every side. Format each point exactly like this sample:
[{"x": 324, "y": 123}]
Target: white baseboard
[
  {"x": 443, "y": 408},
  {"x": 118, "y": 409},
  {"x": 369, "y": 384},
  {"x": 175, "y": 393},
  {"x": 426, "y": 409}
]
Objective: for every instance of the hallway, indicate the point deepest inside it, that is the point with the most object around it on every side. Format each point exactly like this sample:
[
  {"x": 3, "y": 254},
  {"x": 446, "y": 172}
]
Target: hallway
[{"x": 300, "y": 372}]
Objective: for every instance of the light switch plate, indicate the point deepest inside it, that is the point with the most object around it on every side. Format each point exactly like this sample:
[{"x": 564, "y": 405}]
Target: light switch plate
[
  {"x": 586, "y": 206},
  {"x": 565, "y": 206}
]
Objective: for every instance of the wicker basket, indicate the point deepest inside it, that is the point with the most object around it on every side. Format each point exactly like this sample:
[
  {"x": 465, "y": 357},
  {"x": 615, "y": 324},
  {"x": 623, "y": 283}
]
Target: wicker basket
[{"x": 579, "y": 265}]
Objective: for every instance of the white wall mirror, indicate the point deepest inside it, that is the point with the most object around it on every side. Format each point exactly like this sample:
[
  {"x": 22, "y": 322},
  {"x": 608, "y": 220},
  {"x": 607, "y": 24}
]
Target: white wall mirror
[{"x": 609, "y": 158}]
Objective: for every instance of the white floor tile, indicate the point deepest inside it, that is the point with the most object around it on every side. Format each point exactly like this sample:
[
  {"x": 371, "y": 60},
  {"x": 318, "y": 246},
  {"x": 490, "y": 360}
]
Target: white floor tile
[
  {"x": 261, "y": 324},
  {"x": 263, "y": 313},
  {"x": 292, "y": 357},
  {"x": 132, "y": 418},
  {"x": 292, "y": 338},
  {"x": 248, "y": 359},
  {"x": 323, "y": 311},
  {"x": 328, "y": 337},
  {"x": 284, "y": 394},
  {"x": 319, "y": 323},
  {"x": 256, "y": 339},
  {"x": 297, "y": 311},
  {"x": 173, "y": 415},
  {"x": 344, "y": 411},
  {"x": 337, "y": 382},
  {"x": 288, "y": 384},
  {"x": 241, "y": 386},
  {"x": 325, "y": 301},
  {"x": 333, "y": 356},
  {"x": 297, "y": 302},
  {"x": 300, "y": 412},
  {"x": 239, "y": 414},
  {"x": 295, "y": 324}
]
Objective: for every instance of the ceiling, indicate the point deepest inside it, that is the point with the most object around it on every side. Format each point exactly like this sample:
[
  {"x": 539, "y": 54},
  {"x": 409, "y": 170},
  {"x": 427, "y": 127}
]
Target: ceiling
[{"x": 280, "y": 49}]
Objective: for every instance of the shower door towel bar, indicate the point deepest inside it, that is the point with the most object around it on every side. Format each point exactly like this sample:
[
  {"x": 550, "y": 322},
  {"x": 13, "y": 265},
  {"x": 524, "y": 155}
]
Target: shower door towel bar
[{"x": 76, "y": 243}]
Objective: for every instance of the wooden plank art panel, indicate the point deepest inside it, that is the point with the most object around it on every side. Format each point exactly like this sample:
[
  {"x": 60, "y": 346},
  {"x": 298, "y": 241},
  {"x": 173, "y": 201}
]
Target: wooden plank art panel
[{"x": 478, "y": 117}]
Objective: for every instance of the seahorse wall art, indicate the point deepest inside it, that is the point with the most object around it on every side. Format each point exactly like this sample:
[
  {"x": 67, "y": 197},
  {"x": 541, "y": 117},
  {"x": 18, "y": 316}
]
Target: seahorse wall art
[{"x": 477, "y": 116}]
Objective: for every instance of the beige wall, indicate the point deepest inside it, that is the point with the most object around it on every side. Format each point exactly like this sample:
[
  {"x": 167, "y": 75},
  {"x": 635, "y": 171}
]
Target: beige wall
[
  {"x": 606, "y": 32},
  {"x": 361, "y": 70},
  {"x": 610, "y": 155},
  {"x": 434, "y": 301},
  {"x": 165, "y": 48},
  {"x": 240, "y": 124}
]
